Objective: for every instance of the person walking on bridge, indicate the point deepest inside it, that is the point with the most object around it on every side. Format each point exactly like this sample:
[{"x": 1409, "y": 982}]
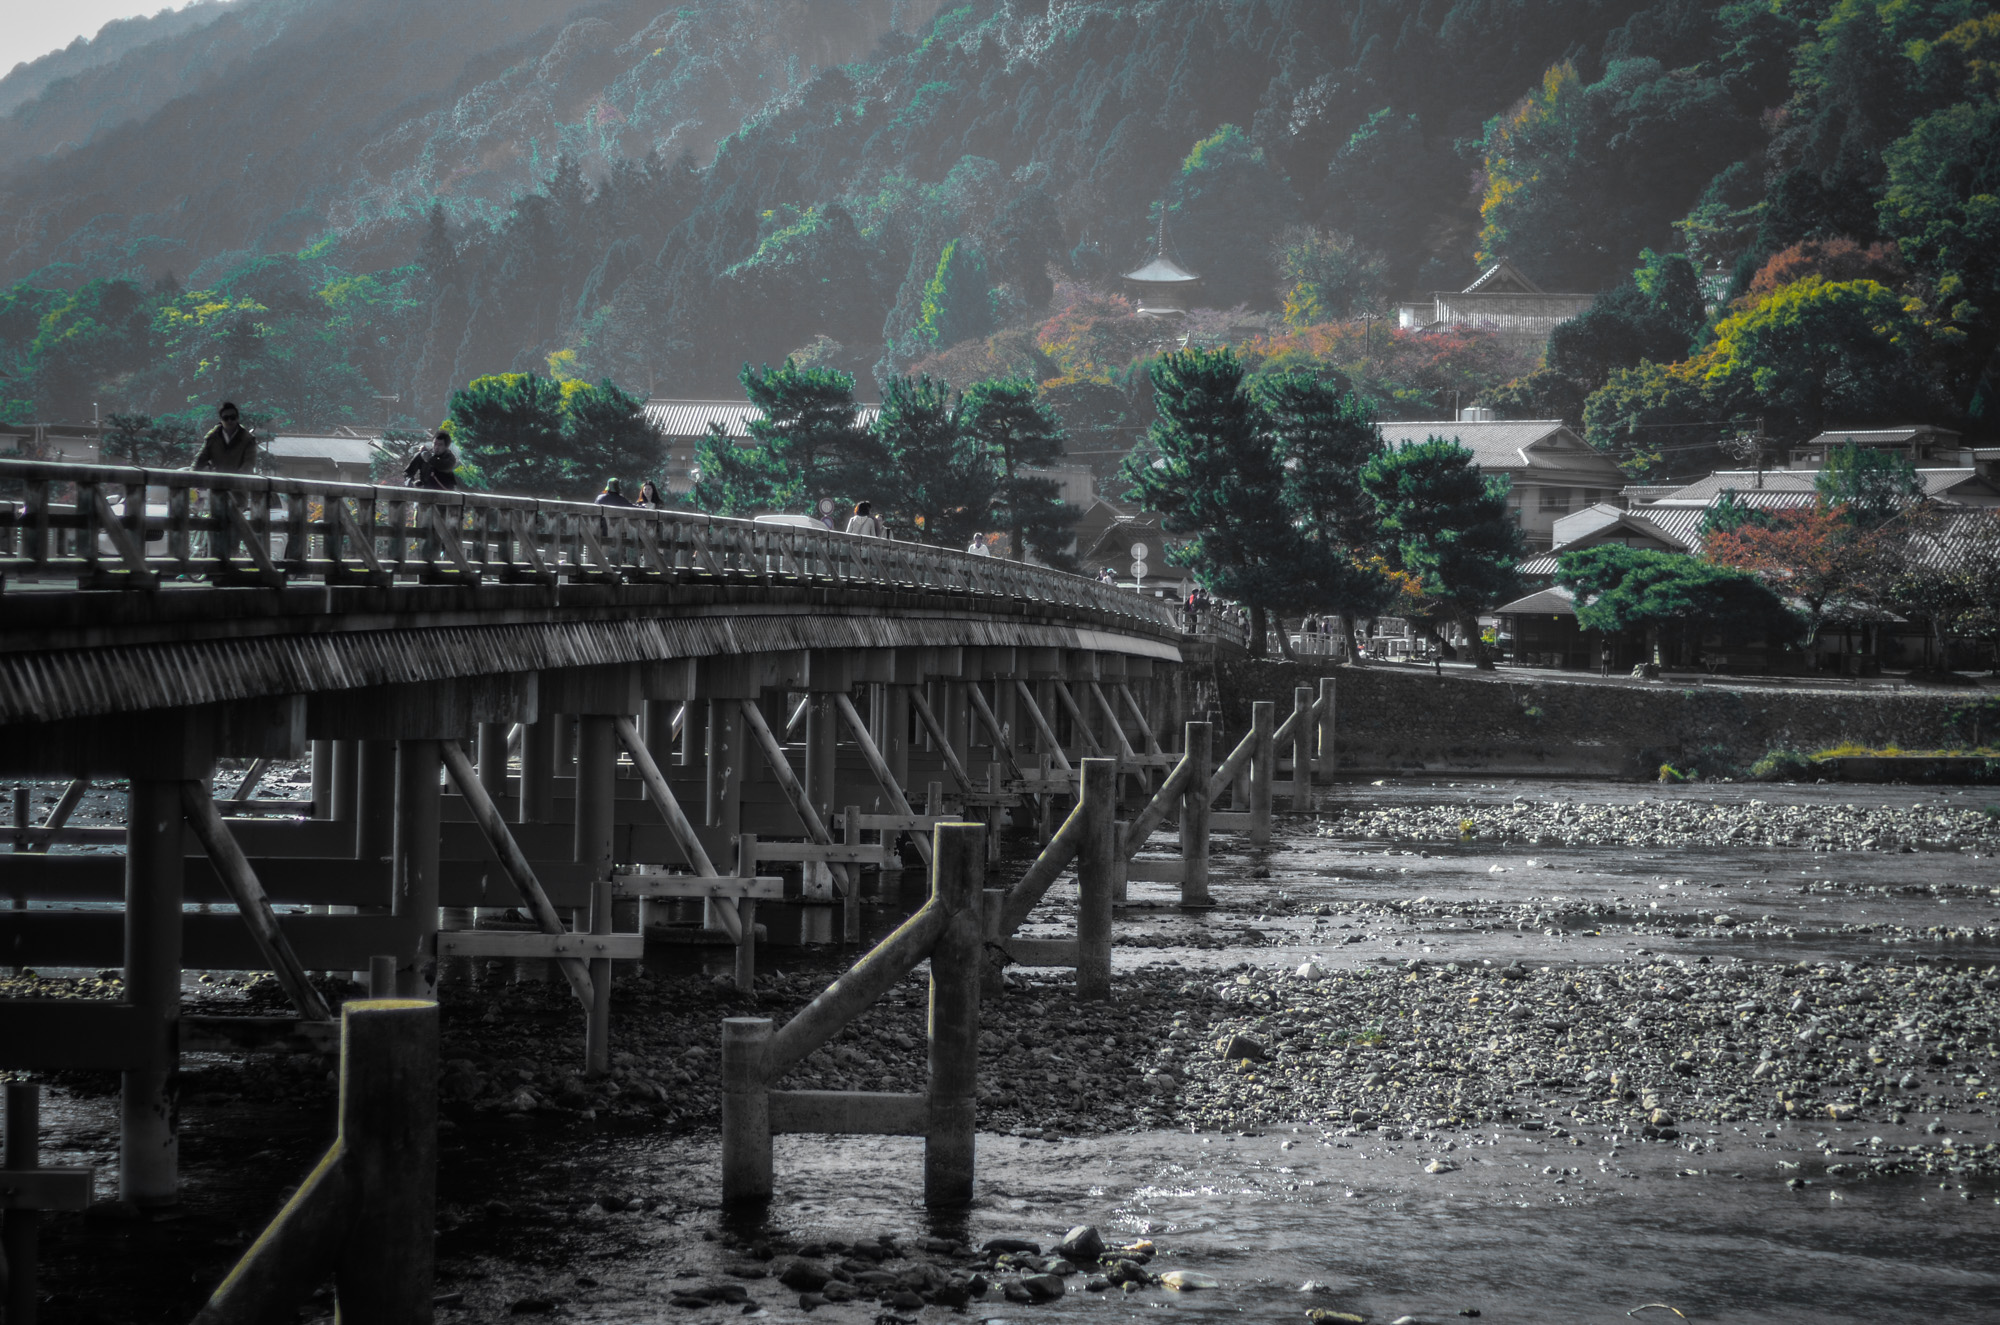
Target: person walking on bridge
[
  {"x": 614, "y": 494},
  {"x": 434, "y": 466},
  {"x": 229, "y": 448},
  {"x": 864, "y": 522}
]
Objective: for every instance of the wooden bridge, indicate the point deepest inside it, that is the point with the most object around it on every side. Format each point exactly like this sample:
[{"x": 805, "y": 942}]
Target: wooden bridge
[{"x": 630, "y": 727}]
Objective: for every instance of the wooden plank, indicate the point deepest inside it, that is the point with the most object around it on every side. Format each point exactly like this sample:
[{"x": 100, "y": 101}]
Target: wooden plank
[
  {"x": 848, "y": 1112},
  {"x": 1041, "y": 952},
  {"x": 1144, "y": 870},
  {"x": 44, "y": 1034},
  {"x": 46, "y": 1189},
  {"x": 765, "y": 887},
  {"x": 214, "y": 941},
  {"x": 501, "y": 943},
  {"x": 893, "y": 823},
  {"x": 1229, "y": 821},
  {"x": 837, "y": 852}
]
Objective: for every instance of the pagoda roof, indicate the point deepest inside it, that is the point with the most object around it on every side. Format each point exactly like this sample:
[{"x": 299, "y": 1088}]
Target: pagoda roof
[{"x": 1162, "y": 270}]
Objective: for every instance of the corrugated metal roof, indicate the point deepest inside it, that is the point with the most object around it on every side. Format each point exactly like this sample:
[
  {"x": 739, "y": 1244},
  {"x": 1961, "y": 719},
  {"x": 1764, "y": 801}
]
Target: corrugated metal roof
[{"x": 690, "y": 418}]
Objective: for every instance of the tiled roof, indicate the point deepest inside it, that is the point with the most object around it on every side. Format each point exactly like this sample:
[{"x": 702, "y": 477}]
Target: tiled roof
[
  {"x": 1504, "y": 443},
  {"x": 1937, "y": 482},
  {"x": 690, "y": 418},
  {"x": 1878, "y": 436},
  {"x": 1552, "y": 601},
  {"x": 340, "y": 450}
]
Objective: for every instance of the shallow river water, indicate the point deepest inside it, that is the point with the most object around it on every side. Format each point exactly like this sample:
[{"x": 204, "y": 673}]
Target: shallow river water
[{"x": 1732, "y": 1223}]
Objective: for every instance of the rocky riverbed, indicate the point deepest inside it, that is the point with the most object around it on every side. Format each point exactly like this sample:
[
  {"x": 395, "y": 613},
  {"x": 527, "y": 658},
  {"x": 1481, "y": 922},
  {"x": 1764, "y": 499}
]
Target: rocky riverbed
[{"x": 1667, "y": 987}]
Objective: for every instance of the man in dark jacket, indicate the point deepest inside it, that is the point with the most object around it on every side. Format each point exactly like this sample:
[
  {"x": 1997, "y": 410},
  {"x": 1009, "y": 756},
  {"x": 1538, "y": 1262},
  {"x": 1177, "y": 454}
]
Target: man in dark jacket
[
  {"x": 434, "y": 466},
  {"x": 228, "y": 448},
  {"x": 614, "y": 494}
]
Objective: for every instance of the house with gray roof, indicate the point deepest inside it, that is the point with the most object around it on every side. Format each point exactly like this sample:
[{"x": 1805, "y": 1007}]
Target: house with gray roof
[{"x": 1551, "y": 470}]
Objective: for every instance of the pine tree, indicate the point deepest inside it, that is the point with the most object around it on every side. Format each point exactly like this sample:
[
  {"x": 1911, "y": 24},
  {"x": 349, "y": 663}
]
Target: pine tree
[
  {"x": 1215, "y": 480},
  {"x": 1004, "y": 417},
  {"x": 1446, "y": 523},
  {"x": 809, "y": 424},
  {"x": 941, "y": 475}
]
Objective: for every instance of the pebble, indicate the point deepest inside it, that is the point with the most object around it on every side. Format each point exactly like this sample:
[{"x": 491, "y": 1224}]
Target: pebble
[{"x": 1184, "y": 1281}]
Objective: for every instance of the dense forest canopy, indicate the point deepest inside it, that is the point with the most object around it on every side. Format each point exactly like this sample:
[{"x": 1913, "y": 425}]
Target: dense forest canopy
[{"x": 1786, "y": 207}]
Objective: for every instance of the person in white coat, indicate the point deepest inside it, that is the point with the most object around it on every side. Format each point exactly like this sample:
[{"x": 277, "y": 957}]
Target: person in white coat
[{"x": 863, "y": 522}]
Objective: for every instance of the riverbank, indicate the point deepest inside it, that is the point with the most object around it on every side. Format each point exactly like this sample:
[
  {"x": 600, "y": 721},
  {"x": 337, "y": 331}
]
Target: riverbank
[{"x": 1400, "y": 719}]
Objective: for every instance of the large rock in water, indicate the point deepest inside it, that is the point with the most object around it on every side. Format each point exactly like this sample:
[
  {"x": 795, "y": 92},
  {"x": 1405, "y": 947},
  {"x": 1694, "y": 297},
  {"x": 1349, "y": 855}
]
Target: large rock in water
[{"x": 1082, "y": 1244}]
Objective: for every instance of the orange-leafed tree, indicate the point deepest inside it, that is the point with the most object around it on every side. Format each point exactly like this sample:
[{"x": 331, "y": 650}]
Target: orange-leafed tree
[{"x": 1813, "y": 555}]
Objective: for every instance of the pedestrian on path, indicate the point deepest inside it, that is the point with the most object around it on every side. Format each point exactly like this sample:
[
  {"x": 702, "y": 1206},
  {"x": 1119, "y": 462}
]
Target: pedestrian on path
[
  {"x": 433, "y": 466},
  {"x": 977, "y": 547},
  {"x": 864, "y": 522},
  {"x": 614, "y": 494}
]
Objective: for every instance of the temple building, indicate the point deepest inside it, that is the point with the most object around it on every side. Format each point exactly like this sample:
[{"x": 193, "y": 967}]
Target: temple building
[
  {"x": 1501, "y": 300},
  {"x": 1162, "y": 288}
]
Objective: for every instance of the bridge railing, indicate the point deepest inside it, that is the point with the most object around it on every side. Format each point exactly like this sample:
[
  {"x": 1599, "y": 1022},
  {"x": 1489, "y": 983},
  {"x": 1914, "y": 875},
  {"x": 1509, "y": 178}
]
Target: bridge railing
[{"x": 109, "y": 526}]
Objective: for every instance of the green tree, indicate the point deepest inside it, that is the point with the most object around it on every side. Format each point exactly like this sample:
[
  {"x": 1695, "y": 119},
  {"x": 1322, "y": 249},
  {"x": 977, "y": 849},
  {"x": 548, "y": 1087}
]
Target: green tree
[
  {"x": 957, "y": 301},
  {"x": 607, "y": 432},
  {"x": 1943, "y": 206},
  {"x": 937, "y": 471},
  {"x": 1326, "y": 276},
  {"x": 521, "y": 432},
  {"x": 1324, "y": 437},
  {"x": 1215, "y": 480},
  {"x": 509, "y": 427},
  {"x": 1816, "y": 350},
  {"x": 809, "y": 423},
  {"x": 1673, "y": 598},
  {"x": 1446, "y": 523},
  {"x": 141, "y": 439},
  {"x": 1226, "y": 206},
  {"x": 1004, "y": 417},
  {"x": 1873, "y": 485},
  {"x": 734, "y": 479}
]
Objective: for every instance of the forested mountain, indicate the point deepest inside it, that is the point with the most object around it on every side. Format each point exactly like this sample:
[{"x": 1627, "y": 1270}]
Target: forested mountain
[{"x": 311, "y": 203}]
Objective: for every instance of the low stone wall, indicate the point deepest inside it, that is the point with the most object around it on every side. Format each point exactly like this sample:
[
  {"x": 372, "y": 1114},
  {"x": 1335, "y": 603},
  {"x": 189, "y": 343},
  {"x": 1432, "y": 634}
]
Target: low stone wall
[{"x": 1395, "y": 718}]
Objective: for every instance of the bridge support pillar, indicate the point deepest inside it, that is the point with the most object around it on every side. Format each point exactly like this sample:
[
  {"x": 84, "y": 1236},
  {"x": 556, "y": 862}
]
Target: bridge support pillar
[
  {"x": 322, "y": 779},
  {"x": 375, "y": 825},
  {"x": 149, "y": 1125},
  {"x": 538, "y": 771},
  {"x": 346, "y": 781},
  {"x": 415, "y": 871},
  {"x": 493, "y": 758}
]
